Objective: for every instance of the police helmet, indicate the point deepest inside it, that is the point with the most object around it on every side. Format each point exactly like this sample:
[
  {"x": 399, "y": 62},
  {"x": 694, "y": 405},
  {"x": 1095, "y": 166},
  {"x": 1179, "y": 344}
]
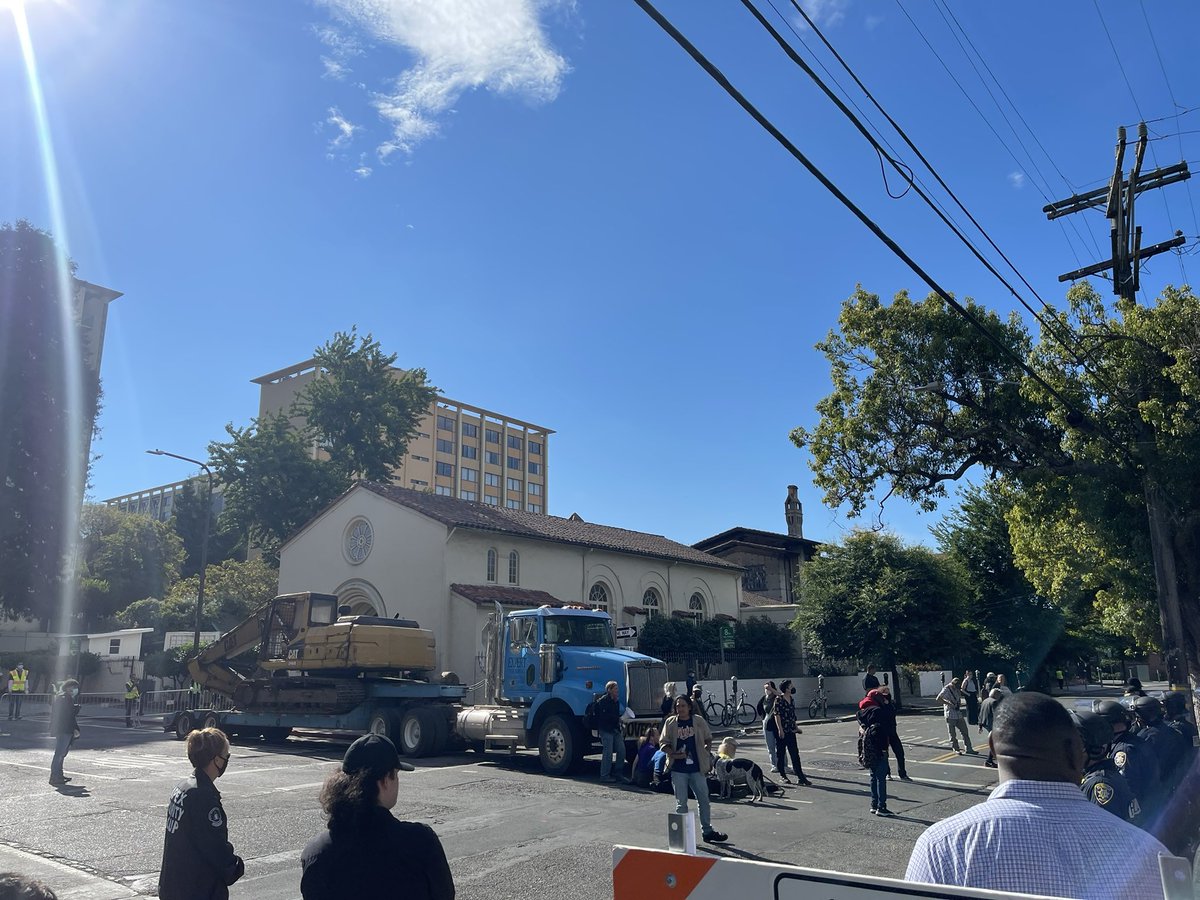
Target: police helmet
[
  {"x": 1148, "y": 709},
  {"x": 1175, "y": 703},
  {"x": 1111, "y": 710},
  {"x": 1095, "y": 730}
]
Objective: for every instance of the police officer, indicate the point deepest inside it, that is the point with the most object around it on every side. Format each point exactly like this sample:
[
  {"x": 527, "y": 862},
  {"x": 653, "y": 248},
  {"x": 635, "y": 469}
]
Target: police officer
[
  {"x": 18, "y": 680},
  {"x": 1175, "y": 717},
  {"x": 198, "y": 860},
  {"x": 131, "y": 698},
  {"x": 1102, "y": 783},
  {"x": 1133, "y": 759},
  {"x": 1166, "y": 743},
  {"x": 1179, "y": 825}
]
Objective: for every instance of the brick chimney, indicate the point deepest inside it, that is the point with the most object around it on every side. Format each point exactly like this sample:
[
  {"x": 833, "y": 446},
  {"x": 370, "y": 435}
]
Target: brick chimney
[{"x": 794, "y": 513}]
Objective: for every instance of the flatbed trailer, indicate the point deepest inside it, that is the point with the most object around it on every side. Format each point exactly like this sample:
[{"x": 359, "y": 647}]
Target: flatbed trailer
[{"x": 418, "y": 716}]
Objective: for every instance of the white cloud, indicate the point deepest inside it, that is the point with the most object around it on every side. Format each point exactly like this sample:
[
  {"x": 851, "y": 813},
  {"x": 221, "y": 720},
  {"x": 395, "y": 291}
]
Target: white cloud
[
  {"x": 363, "y": 171},
  {"x": 342, "y": 49},
  {"x": 1016, "y": 179},
  {"x": 825, "y": 13},
  {"x": 457, "y": 46},
  {"x": 343, "y": 129},
  {"x": 873, "y": 22}
]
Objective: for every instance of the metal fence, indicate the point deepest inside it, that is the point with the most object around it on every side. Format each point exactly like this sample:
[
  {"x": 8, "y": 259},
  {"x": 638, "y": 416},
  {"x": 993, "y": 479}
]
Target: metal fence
[{"x": 112, "y": 703}]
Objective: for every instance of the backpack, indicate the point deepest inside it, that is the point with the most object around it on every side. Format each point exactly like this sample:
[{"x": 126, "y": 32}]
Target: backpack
[
  {"x": 868, "y": 745},
  {"x": 589, "y": 716}
]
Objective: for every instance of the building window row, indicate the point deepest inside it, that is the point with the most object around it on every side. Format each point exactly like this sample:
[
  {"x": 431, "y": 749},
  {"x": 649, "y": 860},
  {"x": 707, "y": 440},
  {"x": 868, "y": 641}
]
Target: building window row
[
  {"x": 535, "y": 449},
  {"x": 470, "y": 430},
  {"x": 468, "y": 495},
  {"x": 493, "y": 458},
  {"x": 445, "y": 446},
  {"x": 515, "y": 443},
  {"x": 445, "y": 423},
  {"x": 446, "y": 469},
  {"x": 534, "y": 507},
  {"x": 417, "y": 482},
  {"x": 491, "y": 499},
  {"x": 469, "y": 474},
  {"x": 442, "y": 491},
  {"x": 420, "y": 458},
  {"x": 514, "y": 484},
  {"x": 491, "y": 435},
  {"x": 513, "y": 504},
  {"x": 598, "y": 597},
  {"x": 535, "y": 490},
  {"x": 469, "y": 452},
  {"x": 514, "y": 462},
  {"x": 491, "y": 479},
  {"x": 535, "y": 468}
]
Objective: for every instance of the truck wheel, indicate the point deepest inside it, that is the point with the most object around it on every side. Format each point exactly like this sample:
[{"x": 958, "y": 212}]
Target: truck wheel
[
  {"x": 183, "y": 726},
  {"x": 384, "y": 723},
  {"x": 559, "y": 745},
  {"x": 419, "y": 732},
  {"x": 212, "y": 720}
]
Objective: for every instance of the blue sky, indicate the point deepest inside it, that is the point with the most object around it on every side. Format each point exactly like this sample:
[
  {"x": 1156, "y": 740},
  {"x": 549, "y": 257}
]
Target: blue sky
[{"x": 554, "y": 211}]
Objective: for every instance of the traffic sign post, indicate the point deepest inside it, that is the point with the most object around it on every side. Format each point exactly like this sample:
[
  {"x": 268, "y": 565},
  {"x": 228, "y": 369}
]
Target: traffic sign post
[{"x": 626, "y": 632}]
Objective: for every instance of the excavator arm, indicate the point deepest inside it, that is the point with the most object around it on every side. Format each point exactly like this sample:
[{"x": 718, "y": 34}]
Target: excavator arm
[{"x": 211, "y": 668}]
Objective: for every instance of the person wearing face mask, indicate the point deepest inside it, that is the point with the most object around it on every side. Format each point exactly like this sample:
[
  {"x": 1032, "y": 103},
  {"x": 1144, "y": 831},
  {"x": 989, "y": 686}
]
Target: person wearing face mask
[
  {"x": 198, "y": 862},
  {"x": 64, "y": 726}
]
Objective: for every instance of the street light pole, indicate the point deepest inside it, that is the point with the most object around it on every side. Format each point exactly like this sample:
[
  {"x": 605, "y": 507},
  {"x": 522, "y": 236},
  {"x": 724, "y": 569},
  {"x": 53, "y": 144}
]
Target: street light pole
[{"x": 203, "y": 539}]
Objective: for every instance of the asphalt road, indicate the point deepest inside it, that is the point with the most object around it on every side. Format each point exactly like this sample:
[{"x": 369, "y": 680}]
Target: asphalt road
[{"x": 509, "y": 831}]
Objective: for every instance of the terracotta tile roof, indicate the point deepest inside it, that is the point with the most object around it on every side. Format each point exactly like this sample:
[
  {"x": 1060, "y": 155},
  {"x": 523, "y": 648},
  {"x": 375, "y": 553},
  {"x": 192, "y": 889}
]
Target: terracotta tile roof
[
  {"x": 750, "y": 599},
  {"x": 481, "y": 517},
  {"x": 487, "y": 594}
]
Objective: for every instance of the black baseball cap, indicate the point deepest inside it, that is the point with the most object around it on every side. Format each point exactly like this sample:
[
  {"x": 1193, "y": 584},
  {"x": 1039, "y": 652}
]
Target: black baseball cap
[{"x": 373, "y": 753}]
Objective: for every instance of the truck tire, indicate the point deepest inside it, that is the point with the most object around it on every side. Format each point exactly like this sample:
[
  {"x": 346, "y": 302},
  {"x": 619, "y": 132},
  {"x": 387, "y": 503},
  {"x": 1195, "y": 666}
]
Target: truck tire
[
  {"x": 212, "y": 720},
  {"x": 560, "y": 745},
  {"x": 183, "y": 726},
  {"x": 385, "y": 723},
  {"x": 418, "y": 732},
  {"x": 442, "y": 731}
]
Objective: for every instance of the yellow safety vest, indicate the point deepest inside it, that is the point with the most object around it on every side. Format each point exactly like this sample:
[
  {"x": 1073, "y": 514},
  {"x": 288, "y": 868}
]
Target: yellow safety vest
[
  {"x": 18, "y": 680},
  {"x": 131, "y": 691}
]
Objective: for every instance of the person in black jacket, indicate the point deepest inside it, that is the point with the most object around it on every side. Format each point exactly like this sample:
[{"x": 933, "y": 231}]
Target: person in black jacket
[
  {"x": 893, "y": 736},
  {"x": 198, "y": 861},
  {"x": 872, "y": 732},
  {"x": 64, "y": 726},
  {"x": 366, "y": 852}
]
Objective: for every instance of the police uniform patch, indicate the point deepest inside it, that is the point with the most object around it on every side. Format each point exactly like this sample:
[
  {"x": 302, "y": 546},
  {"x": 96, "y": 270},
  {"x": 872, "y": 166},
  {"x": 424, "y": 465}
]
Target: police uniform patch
[
  {"x": 1102, "y": 793},
  {"x": 215, "y": 819},
  {"x": 1120, "y": 759}
]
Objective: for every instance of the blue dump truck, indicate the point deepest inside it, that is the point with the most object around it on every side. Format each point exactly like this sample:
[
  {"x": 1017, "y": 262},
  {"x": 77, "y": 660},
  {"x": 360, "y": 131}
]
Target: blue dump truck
[{"x": 300, "y": 663}]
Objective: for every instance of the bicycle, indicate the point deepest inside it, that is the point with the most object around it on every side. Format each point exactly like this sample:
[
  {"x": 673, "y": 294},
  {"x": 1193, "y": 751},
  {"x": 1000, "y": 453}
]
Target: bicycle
[
  {"x": 819, "y": 702},
  {"x": 741, "y": 713},
  {"x": 712, "y": 711}
]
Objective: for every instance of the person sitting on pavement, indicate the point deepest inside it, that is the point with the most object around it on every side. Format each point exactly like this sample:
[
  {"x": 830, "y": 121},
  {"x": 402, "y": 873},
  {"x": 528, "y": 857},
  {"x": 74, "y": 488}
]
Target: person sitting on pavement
[
  {"x": 366, "y": 852},
  {"x": 643, "y": 763},
  {"x": 1037, "y": 833},
  {"x": 727, "y": 749}
]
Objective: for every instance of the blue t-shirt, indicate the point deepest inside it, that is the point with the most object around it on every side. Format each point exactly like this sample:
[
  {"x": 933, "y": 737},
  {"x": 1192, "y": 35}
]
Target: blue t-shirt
[{"x": 685, "y": 739}]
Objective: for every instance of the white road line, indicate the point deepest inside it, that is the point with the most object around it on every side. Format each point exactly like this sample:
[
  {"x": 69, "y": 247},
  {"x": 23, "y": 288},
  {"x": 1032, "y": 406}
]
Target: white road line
[{"x": 46, "y": 770}]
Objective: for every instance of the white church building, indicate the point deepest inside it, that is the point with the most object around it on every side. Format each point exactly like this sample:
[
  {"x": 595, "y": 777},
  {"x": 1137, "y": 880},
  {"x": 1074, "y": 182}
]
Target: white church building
[{"x": 387, "y": 551}]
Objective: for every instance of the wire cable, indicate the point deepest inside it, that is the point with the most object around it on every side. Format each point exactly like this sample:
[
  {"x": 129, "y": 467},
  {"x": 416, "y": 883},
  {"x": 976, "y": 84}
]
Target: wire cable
[
  {"x": 1052, "y": 331},
  {"x": 1063, "y": 223},
  {"x": 718, "y": 76}
]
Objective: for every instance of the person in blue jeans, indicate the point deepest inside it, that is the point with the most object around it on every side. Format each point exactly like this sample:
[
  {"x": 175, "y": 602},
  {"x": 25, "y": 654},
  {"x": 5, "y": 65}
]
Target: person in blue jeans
[
  {"x": 873, "y": 731},
  {"x": 608, "y": 711},
  {"x": 687, "y": 740}
]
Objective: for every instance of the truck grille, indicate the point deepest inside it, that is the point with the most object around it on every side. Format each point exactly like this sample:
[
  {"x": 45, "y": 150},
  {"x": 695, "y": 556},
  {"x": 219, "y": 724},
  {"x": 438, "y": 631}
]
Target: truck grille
[{"x": 645, "y": 680}]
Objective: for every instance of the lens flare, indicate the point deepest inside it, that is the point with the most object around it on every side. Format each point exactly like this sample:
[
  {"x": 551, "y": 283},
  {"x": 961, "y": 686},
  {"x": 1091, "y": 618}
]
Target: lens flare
[{"x": 72, "y": 359}]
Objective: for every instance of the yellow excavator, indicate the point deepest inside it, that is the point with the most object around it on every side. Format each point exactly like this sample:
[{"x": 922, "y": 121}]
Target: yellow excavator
[{"x": 312, "y": 656}]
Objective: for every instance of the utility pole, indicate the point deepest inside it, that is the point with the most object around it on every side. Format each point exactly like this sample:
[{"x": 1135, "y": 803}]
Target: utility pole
[{"x": 1118, "y": 201}]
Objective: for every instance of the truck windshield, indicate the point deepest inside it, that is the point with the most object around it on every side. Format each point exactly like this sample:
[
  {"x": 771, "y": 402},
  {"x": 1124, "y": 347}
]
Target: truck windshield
[{"x": 580, "y": 631}]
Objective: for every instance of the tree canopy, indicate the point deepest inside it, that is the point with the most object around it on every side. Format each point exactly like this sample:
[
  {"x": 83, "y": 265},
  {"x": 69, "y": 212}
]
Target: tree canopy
[
  {"x": 1105, "y": 436},
  {"x": 44, "y": 444},
  {"x": 360, "y": 412},
  {"x": 124, "y": 557},
  {"x": 873, "y": 598}
]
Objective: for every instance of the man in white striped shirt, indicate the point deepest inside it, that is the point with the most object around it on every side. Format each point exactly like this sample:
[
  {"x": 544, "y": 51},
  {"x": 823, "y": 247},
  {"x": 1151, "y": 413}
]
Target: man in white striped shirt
[{"x": 1037, "y": 833}]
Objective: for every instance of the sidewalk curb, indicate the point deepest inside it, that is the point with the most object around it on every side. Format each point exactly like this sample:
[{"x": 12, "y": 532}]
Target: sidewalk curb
[{"x": 65, "y": 877}]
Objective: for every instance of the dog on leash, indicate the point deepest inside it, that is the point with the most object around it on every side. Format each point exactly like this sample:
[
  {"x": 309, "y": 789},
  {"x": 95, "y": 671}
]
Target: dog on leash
[{"x": 730, "y": 772}]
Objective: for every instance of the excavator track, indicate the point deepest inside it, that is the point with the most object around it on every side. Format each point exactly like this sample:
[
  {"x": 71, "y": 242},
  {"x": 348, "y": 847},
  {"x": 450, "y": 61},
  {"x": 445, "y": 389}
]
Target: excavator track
[{"x": 327, "y": 696}]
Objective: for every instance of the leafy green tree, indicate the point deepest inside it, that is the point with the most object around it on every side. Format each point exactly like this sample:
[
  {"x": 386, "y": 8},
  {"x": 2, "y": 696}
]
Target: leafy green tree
[
  {"x": 232, "y": 591},
  {"x": 755, "y": 639},
  {"x": 187, "y": 518},
  {"x": 45, "y": 436},
  {"x": 874, "y": 599},
  {"x": 272, "y": 483},
  {"x": 361, "y": 410},
  {"x": 124, "y": 557},
  {"x": 1014, "y": 625},
  {"x": 921, "y": 398},
  {"x": 170, "y": 664}
]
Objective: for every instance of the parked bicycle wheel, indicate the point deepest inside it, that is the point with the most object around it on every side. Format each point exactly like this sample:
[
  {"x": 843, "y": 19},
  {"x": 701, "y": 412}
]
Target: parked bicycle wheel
[
  {"x": 813, "y": 708},
  {"x": 715, "y": 713},
  {"x": 746, "y": 714}
]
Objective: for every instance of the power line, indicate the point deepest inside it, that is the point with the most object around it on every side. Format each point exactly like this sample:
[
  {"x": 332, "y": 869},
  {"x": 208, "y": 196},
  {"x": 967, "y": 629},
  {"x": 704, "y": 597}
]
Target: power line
[
  {"x": 1072, "y": 411},
  {"x": 799, "y": 61},
  {"x": 1074, "y": 227},
  {"x": 1171, "y": 94}
]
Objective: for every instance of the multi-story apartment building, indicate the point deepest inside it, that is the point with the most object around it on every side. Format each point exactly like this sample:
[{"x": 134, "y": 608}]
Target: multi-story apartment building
[{"x": 460, "y": 450}]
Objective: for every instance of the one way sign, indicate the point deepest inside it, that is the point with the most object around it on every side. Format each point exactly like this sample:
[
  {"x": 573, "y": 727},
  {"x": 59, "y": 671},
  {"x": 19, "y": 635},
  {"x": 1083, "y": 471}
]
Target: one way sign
[{"x": 624, "y": 632}]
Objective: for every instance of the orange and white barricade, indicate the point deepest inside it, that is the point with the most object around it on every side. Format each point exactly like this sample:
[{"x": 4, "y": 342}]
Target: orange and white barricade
[{"x": 668, "y": 875}]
